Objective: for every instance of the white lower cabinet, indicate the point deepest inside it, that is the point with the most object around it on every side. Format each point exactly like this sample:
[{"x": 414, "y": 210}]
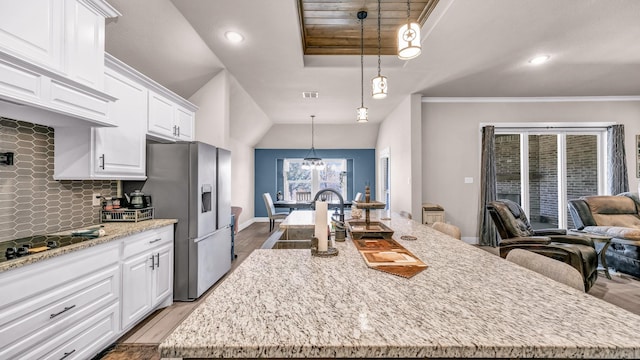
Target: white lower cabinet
[
  {"x": 147, "y": 274},
  {"x": 74, "y": 305}
]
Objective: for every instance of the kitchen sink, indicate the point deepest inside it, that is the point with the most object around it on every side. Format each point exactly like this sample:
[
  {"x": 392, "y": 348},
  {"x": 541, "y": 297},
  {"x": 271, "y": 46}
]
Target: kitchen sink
[{"x": 289, "y": 239}]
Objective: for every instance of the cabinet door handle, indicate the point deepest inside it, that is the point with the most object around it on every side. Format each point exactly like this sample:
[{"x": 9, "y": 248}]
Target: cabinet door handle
[
  {"x": 154, "y": 241},
  {"x": 178, "y": 131},
  {"x": 158, "y": 260},
  {"x": 67, "y": 354},
  {"x": 153, "y": 262},
  {"x": 175, "y": 130},
  {"x": 63, "y": 311},
  {"x": 102, "y": 161}
]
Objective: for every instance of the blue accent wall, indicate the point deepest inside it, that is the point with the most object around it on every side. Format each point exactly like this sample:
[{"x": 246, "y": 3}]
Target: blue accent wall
[{"x": 361, "y": 170}]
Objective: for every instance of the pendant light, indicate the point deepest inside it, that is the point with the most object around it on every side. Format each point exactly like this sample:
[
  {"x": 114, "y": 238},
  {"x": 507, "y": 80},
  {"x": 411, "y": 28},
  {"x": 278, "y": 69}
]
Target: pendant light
[
  {"x": 312, "y": 160},
  {"x": 409, "y": 38},
  {"x": 363, "y": 115},
  {"x": 379, "y": 83}
]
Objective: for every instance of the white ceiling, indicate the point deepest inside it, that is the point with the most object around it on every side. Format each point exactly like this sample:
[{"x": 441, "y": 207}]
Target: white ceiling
[{"x": 471, "y": 48}]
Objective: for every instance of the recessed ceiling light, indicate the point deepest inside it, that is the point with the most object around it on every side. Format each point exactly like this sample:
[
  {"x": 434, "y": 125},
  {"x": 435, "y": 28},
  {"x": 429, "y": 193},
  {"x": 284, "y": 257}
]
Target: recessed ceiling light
[
  {"x": 233, "y": 36},
  {"x": 540, "y": 59}
]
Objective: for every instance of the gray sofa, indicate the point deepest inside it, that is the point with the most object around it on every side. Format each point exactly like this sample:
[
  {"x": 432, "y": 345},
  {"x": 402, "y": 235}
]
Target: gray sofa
[{"x": 616, "y": 216}]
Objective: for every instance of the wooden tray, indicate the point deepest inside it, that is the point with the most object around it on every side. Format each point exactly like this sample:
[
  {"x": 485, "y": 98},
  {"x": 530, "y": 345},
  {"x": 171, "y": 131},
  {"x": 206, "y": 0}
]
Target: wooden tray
[{"x": 375, "y": 230}]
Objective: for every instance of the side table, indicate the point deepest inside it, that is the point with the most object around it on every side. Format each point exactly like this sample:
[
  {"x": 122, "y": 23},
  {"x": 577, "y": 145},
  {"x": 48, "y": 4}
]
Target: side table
[{"x": 602, "y": 253}]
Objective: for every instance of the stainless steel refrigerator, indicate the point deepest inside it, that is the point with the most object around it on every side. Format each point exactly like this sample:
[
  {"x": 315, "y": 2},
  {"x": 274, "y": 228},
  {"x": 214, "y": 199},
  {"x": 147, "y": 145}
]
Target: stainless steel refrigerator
[{"x": 191, "y": 182}]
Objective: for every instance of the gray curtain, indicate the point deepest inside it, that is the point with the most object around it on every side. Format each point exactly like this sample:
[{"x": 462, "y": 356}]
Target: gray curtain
[
  {"x": 617, "y": 176},
  {"x": 486, "y": 231}
]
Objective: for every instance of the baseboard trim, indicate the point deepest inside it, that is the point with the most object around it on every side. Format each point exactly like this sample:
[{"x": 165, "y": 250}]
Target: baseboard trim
[{"x": 473, "y": 240}]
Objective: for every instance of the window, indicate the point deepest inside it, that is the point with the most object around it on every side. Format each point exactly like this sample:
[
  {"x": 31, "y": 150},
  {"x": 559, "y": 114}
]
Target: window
[
  {"x": 297, "y": 179},
  {"x": 543, "y": 168}
]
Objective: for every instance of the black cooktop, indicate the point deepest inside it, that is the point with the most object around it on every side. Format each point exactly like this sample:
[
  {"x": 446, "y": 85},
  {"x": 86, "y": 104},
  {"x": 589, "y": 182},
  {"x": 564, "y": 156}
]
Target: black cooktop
[{"x": 13, "y": 249}]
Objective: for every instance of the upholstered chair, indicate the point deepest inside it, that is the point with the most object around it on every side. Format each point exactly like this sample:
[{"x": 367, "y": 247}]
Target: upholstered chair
[
  {"x": 548, "y": 267},
  {"x": 271, "y": 211},
  {"x": 448, "y": 229},
  {"x": 516, "y": 233}
]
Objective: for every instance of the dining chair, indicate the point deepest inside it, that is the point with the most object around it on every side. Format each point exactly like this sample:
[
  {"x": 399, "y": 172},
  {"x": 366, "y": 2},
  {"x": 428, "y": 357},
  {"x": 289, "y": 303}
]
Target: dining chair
[
  {"x": 271, "y": 211},
  {"x": 303, "y": 196}
]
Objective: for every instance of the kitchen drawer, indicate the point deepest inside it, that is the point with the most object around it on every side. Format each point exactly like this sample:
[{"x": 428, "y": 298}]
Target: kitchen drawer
[
  {"x": 44, "y": 316},
  {"x": 54, "y": 273},
  {"x": 147, "y": 241},
  {"x": 82, "y": 341}
]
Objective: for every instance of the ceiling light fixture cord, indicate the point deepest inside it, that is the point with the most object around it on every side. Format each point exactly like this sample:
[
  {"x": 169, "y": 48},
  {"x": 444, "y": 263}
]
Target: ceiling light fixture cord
[
  {"x": 362, "y": 62},
  {"x": 379, "y": 41},
  {"x": 312, "y": 132},
  {"x": 362, "y": 111}
]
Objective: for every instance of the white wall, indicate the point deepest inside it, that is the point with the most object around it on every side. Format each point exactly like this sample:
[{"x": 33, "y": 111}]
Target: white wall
[
  {"x": 248, "y": 123},
  {"x": 327, "y": 136},
  {"x": 212, "y": 117},
  {"x": 451, "y": 145},
  {"x": 243, "y": 179},
  {"x": 400, "y": 134}
]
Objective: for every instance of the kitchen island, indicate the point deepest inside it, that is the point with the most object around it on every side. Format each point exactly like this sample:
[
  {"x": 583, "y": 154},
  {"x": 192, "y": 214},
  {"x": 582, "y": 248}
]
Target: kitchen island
[{"x": 467, "y": 304}]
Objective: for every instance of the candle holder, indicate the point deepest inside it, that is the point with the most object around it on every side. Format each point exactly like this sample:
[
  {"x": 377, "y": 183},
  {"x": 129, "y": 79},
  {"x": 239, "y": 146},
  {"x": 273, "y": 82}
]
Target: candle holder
[{"x": 331, "y": 251}]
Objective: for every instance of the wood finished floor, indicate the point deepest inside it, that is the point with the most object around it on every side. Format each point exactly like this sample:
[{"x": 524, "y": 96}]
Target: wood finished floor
[{"x": 141, "y": 343}]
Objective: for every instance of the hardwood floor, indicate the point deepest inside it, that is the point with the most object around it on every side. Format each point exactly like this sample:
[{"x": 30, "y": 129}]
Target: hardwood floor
[{"x": 142, "y": 341}]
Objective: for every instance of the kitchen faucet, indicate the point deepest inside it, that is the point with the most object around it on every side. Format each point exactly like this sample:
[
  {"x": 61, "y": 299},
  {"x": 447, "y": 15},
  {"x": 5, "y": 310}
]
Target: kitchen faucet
[{"x": 341, "y": 231}]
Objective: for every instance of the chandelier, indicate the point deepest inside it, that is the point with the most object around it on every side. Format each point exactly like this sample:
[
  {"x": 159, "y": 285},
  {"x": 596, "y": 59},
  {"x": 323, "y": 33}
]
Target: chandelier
[
  {"x": 379, "y": 83},
  {"x": 312, "y": 160},
  {"x": 409, "y": 38},
  {"x": 362, "y": 111}
]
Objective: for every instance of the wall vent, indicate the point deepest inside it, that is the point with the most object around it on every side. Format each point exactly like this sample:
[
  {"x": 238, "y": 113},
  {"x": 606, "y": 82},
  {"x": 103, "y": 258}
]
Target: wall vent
[{"x": 310, "y": 94}]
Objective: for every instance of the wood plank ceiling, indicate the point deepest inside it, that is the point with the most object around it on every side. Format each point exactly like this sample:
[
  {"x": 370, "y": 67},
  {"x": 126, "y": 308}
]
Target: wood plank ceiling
[{"x": 331, "y": 27}]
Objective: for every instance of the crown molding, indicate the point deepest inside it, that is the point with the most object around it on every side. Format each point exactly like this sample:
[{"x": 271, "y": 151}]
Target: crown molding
[{"x": 428, "y": 99}]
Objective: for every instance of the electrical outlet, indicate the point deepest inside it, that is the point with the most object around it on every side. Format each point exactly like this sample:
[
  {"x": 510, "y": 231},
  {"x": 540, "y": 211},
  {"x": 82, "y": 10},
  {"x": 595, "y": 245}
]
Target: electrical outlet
[
  {"x": 96, "y": 199},
  {"x": 468, "y": 180}
]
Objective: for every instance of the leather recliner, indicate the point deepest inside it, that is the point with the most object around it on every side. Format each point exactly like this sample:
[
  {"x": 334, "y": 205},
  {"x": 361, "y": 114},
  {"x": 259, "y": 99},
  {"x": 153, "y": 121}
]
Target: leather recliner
[
  {"x": 516, "y": 233},
  {"x": 617, "y": 216}
]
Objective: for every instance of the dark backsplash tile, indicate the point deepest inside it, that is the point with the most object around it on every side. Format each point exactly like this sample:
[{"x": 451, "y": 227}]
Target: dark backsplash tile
[{"x": 31, "y": 202}]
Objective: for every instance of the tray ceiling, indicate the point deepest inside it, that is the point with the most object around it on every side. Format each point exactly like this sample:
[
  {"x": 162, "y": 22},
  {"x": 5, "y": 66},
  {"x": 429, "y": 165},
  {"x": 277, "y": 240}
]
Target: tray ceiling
[{"x": 331, "y": 27}]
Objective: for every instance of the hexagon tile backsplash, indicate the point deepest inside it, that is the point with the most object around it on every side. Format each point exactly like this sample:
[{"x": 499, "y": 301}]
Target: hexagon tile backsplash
[{"x": 31, "y": 202}]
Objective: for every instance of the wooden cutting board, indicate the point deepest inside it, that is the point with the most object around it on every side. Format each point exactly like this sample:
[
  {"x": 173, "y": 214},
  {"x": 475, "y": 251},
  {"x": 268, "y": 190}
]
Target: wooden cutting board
[{"x": 389, "y": 256}]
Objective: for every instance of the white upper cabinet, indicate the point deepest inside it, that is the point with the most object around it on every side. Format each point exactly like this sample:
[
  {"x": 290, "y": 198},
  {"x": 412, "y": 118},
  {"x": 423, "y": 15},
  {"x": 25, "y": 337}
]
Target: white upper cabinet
[
  {"x": 52, "y": 61},
  {"x": 171, "y": 118},
  {"x": 121, "y": 150},
  {"x": 85, "y": 43},
  {"x": 115, "y": 153},
  {"x": 33, "y": 30}
]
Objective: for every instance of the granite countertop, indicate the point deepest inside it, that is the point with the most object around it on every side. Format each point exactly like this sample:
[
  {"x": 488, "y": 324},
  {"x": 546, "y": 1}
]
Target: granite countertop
[
  {"x": 114, "y": 231},
  {"x": 467, "y": 303}
]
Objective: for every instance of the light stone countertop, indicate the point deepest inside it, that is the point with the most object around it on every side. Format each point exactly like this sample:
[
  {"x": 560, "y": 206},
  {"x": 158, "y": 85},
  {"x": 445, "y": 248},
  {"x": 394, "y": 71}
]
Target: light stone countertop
[
  {"x": 467, "y": 304},
  {"x": 113, "y": 230}
]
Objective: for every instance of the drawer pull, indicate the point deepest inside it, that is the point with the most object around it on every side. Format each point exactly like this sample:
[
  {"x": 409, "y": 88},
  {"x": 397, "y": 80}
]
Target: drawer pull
[
  {"x": 154, "y": 241},
  {"x": 67, "y": 354},
  {"x": 63, "y": 311}
]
